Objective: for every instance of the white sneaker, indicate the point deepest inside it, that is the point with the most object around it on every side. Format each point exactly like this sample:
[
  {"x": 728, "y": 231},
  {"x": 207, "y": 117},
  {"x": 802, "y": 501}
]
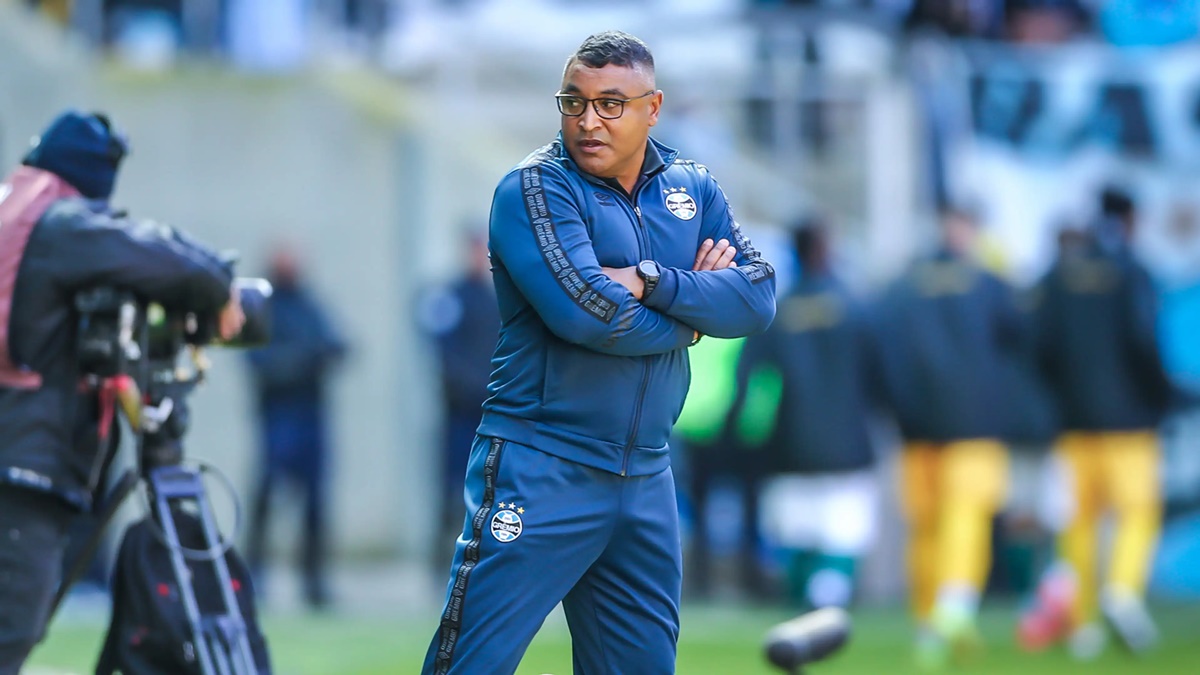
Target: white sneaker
[
  {"x": 1087, "y": 642},
  {"x": 1126, "y": 614}
]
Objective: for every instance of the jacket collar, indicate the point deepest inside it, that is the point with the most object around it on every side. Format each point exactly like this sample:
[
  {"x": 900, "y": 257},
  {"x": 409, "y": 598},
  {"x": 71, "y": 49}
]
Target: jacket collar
[{"x": 658, "y": 158}]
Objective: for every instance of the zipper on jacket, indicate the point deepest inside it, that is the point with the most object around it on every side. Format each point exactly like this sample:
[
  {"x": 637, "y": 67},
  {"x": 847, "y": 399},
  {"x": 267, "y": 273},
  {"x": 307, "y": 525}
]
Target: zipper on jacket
[
  {"x": 647, "y": 252},
  {"x": 637, "y": 414}
]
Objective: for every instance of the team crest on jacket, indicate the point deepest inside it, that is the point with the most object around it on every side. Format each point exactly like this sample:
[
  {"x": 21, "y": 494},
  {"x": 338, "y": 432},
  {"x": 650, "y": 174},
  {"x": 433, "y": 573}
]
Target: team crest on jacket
[
  {"x": 680, "y": 203},
  {"x": 506, "y": 524}
]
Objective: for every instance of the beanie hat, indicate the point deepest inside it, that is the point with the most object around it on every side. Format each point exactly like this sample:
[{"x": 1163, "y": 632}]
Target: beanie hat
[{"x": 83, "y": 149}]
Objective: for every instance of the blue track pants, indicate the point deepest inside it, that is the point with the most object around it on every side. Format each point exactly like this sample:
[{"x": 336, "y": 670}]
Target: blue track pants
[{"x": 541, "y": 530}]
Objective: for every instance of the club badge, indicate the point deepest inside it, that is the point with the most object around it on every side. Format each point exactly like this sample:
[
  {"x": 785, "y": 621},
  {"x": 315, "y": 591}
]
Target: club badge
[
  {"x": 680, "y": 203},
  {"x": 506, "y": 524}
]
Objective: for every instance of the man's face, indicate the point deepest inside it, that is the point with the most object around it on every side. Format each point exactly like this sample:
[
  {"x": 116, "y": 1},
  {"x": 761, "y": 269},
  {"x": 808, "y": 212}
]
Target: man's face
[
  {"x": 610, "y": 148},
  {"x": 958, "y": 233}
]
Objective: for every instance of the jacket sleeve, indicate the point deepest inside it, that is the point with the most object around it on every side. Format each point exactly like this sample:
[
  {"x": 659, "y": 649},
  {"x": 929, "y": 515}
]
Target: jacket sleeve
[
  {"x": 539, "y": 236},
  {"x": 1142, "y": 326},
  {"x": 729, "y": 303},
  {"x": 149, "y": 259}
]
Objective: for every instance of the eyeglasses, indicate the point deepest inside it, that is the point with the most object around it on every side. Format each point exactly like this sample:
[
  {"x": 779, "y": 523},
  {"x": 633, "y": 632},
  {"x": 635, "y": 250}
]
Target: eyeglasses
[{"x": 606, "y": 107}]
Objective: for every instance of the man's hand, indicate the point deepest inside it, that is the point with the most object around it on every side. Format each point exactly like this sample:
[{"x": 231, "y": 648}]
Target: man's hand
[
  {"x": 627, "y": 277},
  {"x": 715, "y": 257},
  {"x": 231, "y": 318}
]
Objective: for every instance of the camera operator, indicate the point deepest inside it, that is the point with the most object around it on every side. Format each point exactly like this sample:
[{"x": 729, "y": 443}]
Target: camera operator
[{"x": 59, "y": 236}]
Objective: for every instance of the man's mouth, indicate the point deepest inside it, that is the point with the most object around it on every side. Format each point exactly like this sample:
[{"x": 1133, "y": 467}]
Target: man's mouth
[{"x": 591, "y": 145}]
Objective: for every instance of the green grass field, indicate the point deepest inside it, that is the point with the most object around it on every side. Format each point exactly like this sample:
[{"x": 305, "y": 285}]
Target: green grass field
[{"x": 714, "y": 641}]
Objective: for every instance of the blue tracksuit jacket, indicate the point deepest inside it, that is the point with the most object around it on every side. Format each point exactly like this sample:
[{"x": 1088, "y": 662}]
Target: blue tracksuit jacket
[
  {"x": 569, "y": 494},
  {"x": 582, "y": 369}
]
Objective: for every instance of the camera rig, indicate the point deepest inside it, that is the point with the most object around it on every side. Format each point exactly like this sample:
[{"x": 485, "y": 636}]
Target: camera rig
[{"x": 133, "y": 353}]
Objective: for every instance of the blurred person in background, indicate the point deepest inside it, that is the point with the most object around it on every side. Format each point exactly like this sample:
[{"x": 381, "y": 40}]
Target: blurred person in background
[
  {"x": 713, "y": 457},
  {"x": 290, "y": 377},
  {"x": 59, "y": 10},
  {"x": 463, "y": 321},
  {"x": 61, "y": 236},
  {"x": 366, "y": 22},
  {"x": 949, "y": 325},
  {"x": 1025, "y": 530},
  {"x": 144, "y": 33},
  {"x": 611, "y": 256},
  {"x": 268, "y": 37},
  {"x": 957, "y": 18},
  {"x": 819, "y": 502},
  {"x": 1098, "y": 347},
  {"x": 1045, "y": 21}
]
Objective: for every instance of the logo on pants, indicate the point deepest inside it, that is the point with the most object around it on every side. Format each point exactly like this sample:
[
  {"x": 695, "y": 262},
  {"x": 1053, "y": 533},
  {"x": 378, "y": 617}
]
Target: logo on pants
[{"x": 506, "y": 526}]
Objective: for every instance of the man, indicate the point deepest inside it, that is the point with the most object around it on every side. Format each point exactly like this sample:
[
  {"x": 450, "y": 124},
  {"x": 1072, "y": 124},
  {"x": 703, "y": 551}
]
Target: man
[
  {"x": 708, "y": 452},
  {"x": 463, "y": 322},
  {"x": 819, "y": 504},
  {"x": 610, "y": 257},
  {"x": 290, "y": 379},
  {"x": 1097, "y": 345},
  {"x": 58, "y": 236},
  {"x": 951, "y": 326}
]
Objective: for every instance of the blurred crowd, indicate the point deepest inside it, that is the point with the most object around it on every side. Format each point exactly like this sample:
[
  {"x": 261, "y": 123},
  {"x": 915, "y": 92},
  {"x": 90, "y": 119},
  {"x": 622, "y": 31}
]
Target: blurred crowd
[
  {"x": 285, "y": 34},
  {"x": 269, "y": 36},
  {"x": 1120, "y": 22}
]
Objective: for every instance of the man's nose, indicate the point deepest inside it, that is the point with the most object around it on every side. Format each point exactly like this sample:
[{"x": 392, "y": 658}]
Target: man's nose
[{"x": 590, "y": 119}]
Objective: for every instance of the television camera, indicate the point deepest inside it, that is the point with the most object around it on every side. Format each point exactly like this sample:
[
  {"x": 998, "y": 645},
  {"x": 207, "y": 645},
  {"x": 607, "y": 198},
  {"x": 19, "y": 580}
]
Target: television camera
[
  {"x": 133, "y": 353},
  {"x": 139, "y": 345}
]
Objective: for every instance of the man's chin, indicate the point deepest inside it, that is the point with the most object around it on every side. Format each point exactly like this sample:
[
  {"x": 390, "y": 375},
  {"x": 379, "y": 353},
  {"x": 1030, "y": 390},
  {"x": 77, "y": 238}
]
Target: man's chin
[{"x": 596, "y": 166}]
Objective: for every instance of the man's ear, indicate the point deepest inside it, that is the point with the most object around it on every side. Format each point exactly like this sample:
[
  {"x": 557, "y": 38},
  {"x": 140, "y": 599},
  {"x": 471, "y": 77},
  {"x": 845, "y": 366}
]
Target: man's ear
[{"x": 655, "y": 106}]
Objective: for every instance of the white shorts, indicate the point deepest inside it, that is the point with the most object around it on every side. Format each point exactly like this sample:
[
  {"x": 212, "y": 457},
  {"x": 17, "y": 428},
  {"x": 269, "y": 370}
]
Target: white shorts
[
  {"x": 835, "y": 513},
  {"x": 1040, "y": 488}
]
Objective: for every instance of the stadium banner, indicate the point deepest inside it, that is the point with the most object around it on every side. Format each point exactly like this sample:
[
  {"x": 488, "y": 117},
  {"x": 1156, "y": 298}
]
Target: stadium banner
[{"x": 1028, "y": 135}]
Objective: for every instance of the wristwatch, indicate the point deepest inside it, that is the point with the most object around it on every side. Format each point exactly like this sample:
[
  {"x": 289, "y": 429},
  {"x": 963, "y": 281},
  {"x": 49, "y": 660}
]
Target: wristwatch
[{"x": 650, "y": 272}]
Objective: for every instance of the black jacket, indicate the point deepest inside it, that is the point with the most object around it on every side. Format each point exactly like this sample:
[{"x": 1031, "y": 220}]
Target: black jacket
[
  {"x": 76, "y": 245},
  {"x": 821, "y": 345},
  {"x": 1097, "y": 342},
  {"x": 947, "y": 330}
]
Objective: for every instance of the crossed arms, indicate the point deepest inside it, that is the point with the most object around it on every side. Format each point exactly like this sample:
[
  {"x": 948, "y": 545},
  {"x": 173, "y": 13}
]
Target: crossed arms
[{"x": 538, "y": 236}]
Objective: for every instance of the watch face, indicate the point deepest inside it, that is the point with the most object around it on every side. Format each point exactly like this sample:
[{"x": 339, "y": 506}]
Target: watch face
[{"x": 648, "y": 269}]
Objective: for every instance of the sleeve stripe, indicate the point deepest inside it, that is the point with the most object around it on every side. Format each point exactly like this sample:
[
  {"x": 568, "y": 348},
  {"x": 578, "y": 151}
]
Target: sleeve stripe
[
  {"x": 554, "y": 256},
  {"x": 758, "y": 269}
]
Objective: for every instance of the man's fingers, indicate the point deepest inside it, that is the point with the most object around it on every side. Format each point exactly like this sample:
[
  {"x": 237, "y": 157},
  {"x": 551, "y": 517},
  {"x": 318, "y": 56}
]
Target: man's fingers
[
  {"x": 726, "y": 258},
  {"x": 231, "y": 320},
  {"x": 702, "y": 253},
  {"x": 714, "y": 256}
]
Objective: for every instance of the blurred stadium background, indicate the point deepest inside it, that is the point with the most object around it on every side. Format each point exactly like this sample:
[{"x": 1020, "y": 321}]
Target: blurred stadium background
[{"x": 372, "y": 133}]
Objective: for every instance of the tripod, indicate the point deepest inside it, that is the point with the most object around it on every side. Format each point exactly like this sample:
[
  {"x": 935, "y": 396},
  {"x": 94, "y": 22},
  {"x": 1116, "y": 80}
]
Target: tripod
[
  {"x": 178, "y": 498},
  {"x": 223, "y": 646}
]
